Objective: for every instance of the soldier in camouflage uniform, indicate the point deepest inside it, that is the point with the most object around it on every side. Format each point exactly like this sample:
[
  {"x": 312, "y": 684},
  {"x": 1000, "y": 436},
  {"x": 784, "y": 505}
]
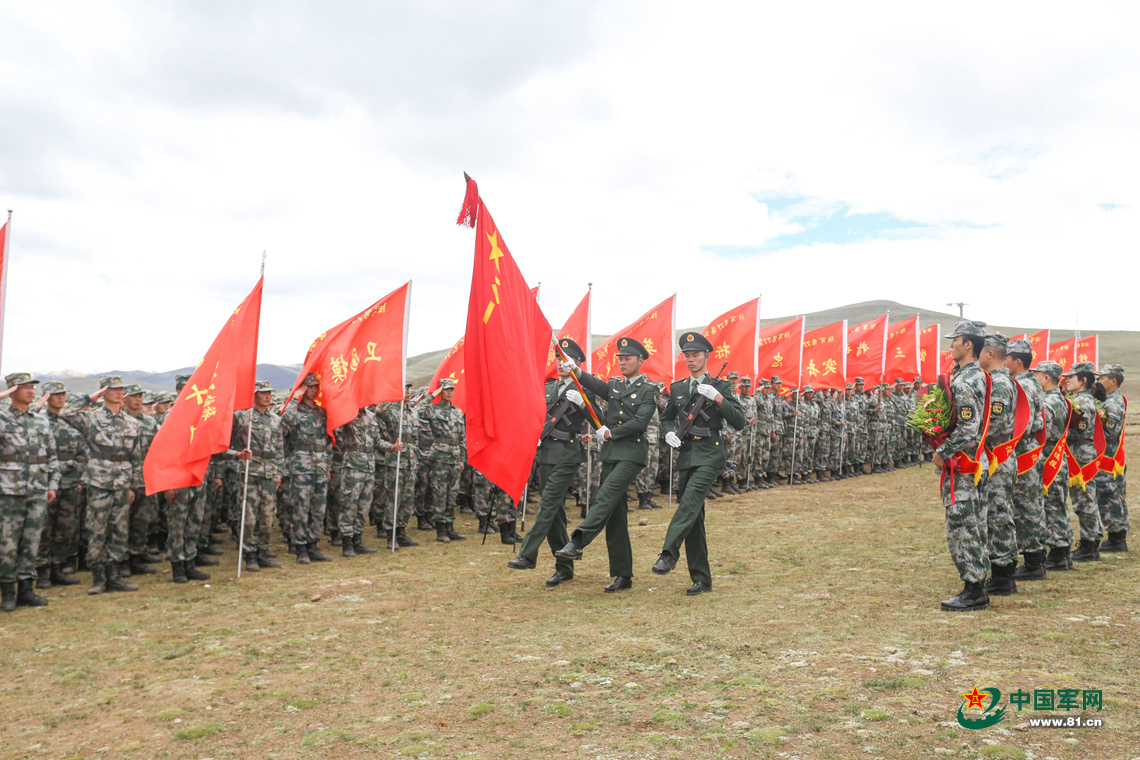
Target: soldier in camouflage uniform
[
  {"x": 423, "y": 474},
  {"x": 445, "y": 458},
  {"x": 60, "y": 526},
  {"x": 29, "y": 477},
  {"x": 1002, "y": 534},
  {"x": 353, "y": 480},
  {"x": 963, "y": 481},
  {"x": 113, "y": 474},
  {"x": 1028, "y": 497},
  {"x": 1110, "y": 485},
  {"x": 836, "y": 463},
  {"x": 733, "y": 441},
  {"x": 648, "y": 475},
  {"x": 858, "y": 411},
  {"x": 761, "y": 434},
  {"x": 810, "y": 412},
  {"x": 1058, "y": 525},
  {"x": 397, "y": 440},
  {"x": 1080, "y": 381},
  {"x": 142, "y": 506},
  {"x": 185, "y": 508},
  {"x": 747, "y": 467},
  {"x": 308, "y": 453}
]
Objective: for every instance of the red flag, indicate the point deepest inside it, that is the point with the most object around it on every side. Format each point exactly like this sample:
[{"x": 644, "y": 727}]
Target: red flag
[
  {"x": 1063, "y": 353},
  {"x": 734, "y": 339},
  {"x": 903, "y": 350},
  {"x": 1040, "y": 342},
  {"x": 202, "y": 418},
  {"x": 654, "y": 330},
  {"x": 929, "y": 341},
  {"x": 360, "y": 361},
  {"x": 946, "y": 362},
  {"x": 506, "y": 345},
  {"x": 867, "y": 350},
  {"x": 780, "y": 350},
  {"x": 577, "y": 329},
  {"x": 1088, "y": 350},
  {"x": 4, "y": 232},
  {"x": 452, "y": 367},
  {"x": 825, "y": 357}
]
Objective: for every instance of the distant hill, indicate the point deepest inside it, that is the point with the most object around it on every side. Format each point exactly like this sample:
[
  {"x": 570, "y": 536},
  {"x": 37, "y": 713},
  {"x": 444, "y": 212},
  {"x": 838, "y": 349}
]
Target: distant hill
[{"x": 282, "y": 376}]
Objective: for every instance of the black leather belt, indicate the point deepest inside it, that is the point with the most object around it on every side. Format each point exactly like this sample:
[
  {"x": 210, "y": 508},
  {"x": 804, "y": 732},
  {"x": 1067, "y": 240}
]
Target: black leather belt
[
  {"x": 112, "y": 457},
  {"x": 24, "y": 458}
]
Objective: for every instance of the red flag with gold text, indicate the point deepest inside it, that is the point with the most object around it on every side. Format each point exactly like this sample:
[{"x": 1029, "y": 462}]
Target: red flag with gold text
[
  {"x": 929, "y": 343},
  {"x": 654, "y": 330},
  {"x": 903, "y": 350},
  {"x": 780, "y": 348},
  {"x": 201, "y": 420},
  {"x": 1088, "y": 350},
  {"x": 867, "y": 350},
  {"x": 824, "y": 357},
  {"x": 734, "y": 339},
  {"x": 1040, "y": 343},
  {"x": 452, "y": 367},
  {"x": 1063, "y": 352}
]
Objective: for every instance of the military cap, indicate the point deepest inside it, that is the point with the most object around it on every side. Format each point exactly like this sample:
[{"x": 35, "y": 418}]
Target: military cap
[
  {"x": 733, "y": 375},
  {"x": 53, "y": 386},
  {"x": 407, "y": 386},
  {"x": 263, "y": 386},
  {"x": 808, "y": 389},
  {"x": 764, "y": 383},
  {"x": 572, "y": 349},
  {"x": 1052, "y": 369},
  {"x": 694, "y": 341},
  {"x": 151, "y": 398},
  {"x": 311, "y": 379},
  {"x": 1081, "y": 367},
  {"x": 860, "y": 381},
  {"x": 1116, "y": 370},
  {"x": 970, "y": 327},
  {"x": 167, "y": 398},
  {"x": 746, "y": 380},
  {"x": 907, "y": 386},
  {"x": 898, "y": 381},
  {"x": 111, "y": 381},
  {"x": 133, "y": 389},
  {"x": 629, "y": 347},
  {"x": 445, "y": 383},
  {"x": 850, "y": 387},
  {"x": 776, "y": 379},
  {"x": 917, "y": 379},
  {"x": 179, "y": 379},
  {"x": 19, "y": 378},
  {"x": 1020, "y": 346},
  {"x": 998, "y": 341}
]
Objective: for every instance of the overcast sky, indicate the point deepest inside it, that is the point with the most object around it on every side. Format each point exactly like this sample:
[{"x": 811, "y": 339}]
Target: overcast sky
[{"x": 815, "y": 155}]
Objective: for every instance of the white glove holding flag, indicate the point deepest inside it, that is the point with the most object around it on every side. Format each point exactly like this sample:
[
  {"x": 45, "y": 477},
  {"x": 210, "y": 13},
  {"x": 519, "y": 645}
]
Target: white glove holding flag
[
  {"x": 708, "y": 391},
  {"x": 574, "y": 397},
  {"x": 567, "y": 366},
  {"x": 672, "y": 439},
  {"x": 603, "y": 431}
]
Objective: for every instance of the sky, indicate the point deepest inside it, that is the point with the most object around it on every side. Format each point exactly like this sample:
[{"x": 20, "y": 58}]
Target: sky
[{"x": 812, "y": 154}]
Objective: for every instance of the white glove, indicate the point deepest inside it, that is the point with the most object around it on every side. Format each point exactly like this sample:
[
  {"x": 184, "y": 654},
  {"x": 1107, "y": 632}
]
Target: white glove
[
  {"x": 574, "y": 397},
  {"x": 567, "y": 366},
  {"x": 601, "y": 434},
  {"x": 672, "y": 439},
  {"x": 708, "y": 391}
]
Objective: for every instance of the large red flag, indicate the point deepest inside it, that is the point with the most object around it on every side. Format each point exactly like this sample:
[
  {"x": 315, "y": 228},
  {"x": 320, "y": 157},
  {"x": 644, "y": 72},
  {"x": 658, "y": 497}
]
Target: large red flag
[
  {"x": 4, "y": 231},
  {"x": 780, "y": 349},
  {"x": 1088, "y": 350},
  {"x": 1063, "y": 352},
  {"x": 202, "y": 418},
  {"x": 577, "y": 329},
  {"x": 507, "y": 340},
  {"x": 452, "y": 367},
  {"x": 946, "y": 362},
  {"x": 654, "y": 330},
  {"x": 361, "y": 361},
  {"x": 824, "y": 357},
  {"x": 734, "y": 339},
  {"x": 903, "y": 350},
  {"x": 1040, "y": 342},
  {"x": 867, "y": 350},
  {"x": 929, "y": 343}
]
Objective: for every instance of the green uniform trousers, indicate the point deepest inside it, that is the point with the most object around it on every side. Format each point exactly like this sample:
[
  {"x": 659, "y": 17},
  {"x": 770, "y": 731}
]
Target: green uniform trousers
[
  {"x": 21, "y": 523},
  {"x": 108, "y": 524},
  {"x": 609, "y": 513},
  {"x": 550, "y": 522},
  {"x": 688, "y": 524}
]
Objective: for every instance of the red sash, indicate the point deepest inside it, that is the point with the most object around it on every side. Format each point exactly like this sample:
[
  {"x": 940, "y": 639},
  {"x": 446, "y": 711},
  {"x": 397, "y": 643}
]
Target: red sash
[
  {"x": 1082, "y": 474},
  {"x": 998, "y": 454},
  {"x": 961, "y": 461},
  {"x": 1060, "y": 451},
  {"x": 1028, "y": 460},
  {"x": 1115, "y": 464}
]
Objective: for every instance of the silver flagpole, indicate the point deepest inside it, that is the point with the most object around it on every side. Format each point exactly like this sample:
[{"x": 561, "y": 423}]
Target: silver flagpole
[
  {"x": 396, "y": 495},
  {"x": 248, "y": 445}
]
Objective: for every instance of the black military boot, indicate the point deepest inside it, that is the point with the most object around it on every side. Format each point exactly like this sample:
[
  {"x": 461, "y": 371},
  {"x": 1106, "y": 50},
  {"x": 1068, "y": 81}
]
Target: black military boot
[
  {"x": 453, "y": 535},
  {"x": 98, "y": 579},
  {"x": 1117, "y": 542},
  {"x": 193, "y": 573},
  {"x": 403, "y": 540},
  {"x": 729, "y": 486},
  {"x": 359, "y": 547},
  {"x": 1058, "y": 559},
  {"x": 1089, "y": 551},
  {"x": 486, "y": 526},
  {"x": 138, "y": 567},
  {"x": 422, "y": 523},
  {"x": 507, "y": 534},
  {"x": 1001, "y": 582},
  {"x": 582, "y": 510},
  {"x": 201, "y": 560},
  {"x": 346, "y": 547},
  {"x": 265, "y": 560},
  {"x": 124, "y": 568},
  {"x": 114, "y": 582},
  {"x": 1033, "y": 569},
  {"x": 43, "y": 577},
  {"x": 210, "y": 550},
  {"x": 973, "y": 597},
  {"x": 302, "y": 552},
  {"x": 441, "y": 533},
  {"x": 178, "y": 572},
  {"x": 59, "y": 578},
  {"x": 315, "y": 553},
  {"x": 251, "y": 565},
  {"x": 643, "y": 501},
  {"x": 7, "y": 597},
  {"x": 822, "y": 476}
]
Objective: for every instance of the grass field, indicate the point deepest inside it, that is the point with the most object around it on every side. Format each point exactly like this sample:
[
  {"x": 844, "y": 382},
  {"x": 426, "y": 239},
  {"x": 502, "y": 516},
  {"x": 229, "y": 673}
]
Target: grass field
[{"x": 822, "y": 639}]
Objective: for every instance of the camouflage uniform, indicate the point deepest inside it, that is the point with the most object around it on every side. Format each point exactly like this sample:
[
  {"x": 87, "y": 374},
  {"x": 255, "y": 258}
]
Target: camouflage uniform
[
  {"x": 1082, "y": 428},
  {"x": 999, "y": 489},
  {"x": 144, "y": 507},
  {"x": 262, "y": 436},
  {"x": 747, "y": 401},
  {"x": 61, "y": 526},
  {"x": 389, "y": 431},
  {"x": 308, "y": 455},
  {"x": 1110, "y": 486},
  {"x": 491, "y": 502},
  {"x": 445, "y": 458},
  {"x": 1058, "y": 525},
  {"x": 353, "y": 477},
  {"x": 648, "y": 475},
  {"x": 1028, "y": 497}
]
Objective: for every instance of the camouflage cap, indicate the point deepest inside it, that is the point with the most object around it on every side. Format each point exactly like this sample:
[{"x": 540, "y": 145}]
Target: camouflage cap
[
  {"x": 808, "y": 389},
  {"x": 133, "y": 389},
  {"x": 1020, "y": 346},
  {"x": 1112, "y": 369},
  {"x": 446, "y": 383},
  {"x": 734, "y": 375},
  {"x": 898, "y": 381},
  {"x": 998, "y": 341},
  {"x": 764, "y": 383},
  {"x": 859, "y": 381},
  {"x": 151, "y": 398},
  {"x": 311, "y": 380},
  {"x": 850, "y": 387},
  {"x": 263, "y": 386},
  {"x": 1052, "y": 369},
  {"x": 917, "y": 379},
  {"x": 1081, "y": 367},
  {"x": 970, "y": 327},
  {"x": 53, "y": 386},
  {"x": 746, "y": 380},
  {"x": 179, "y": 379},
  {"x": 776, "y": 379},
  {"x": 111, "y": 381},
  {"x": 19, "y": 378}
]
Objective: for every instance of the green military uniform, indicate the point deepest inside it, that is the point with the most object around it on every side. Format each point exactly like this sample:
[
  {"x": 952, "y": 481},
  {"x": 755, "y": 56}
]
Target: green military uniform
[
  {"x": 1110, "y": 491},
  {"x": 260, "y": 432},
  {"x": 446, "y": 458},
  {"x": 61, "y": 523},
  {"x": 1058, "y": 525},
  {"x": 1082, "y": 431},
  {"x": 353, "y": 481},
  {"x": 1028, "y": 497},
  {"x": 308, "y": 452},
  {"x": 390, "y": 429},
  {"x": 143, "y": 508}
]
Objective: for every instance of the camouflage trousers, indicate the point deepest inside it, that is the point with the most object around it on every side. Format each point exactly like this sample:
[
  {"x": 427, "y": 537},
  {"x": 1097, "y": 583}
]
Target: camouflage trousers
[
  {"x": 595, "y": 482},
  {"x": 1058, "y": 525},
  {"x": 838, "y": 452},
  {"x": 353, "y": 497},
  {"x": 59, "y": 528},
  {"x": 283, "y": 513},
  {"x": 423, "y": 488},
  {"x": 1029, "y": 509},
  {"x": 183, "y": 522},
  {"x": 406, "y": 501},
  {"x": 444, "y": 484},
  {"x": 761, "y": 449},
  {"x": 1001, "y": 532},
  {"x": 732, "y": 464},
  {"x": 143, "y": 510},
  {"x": 260, "y": 506},
  {"x": 966, "y": 521},
  {"x": 108, "y": 524},
  {"x": 307, "y": 501},
  {"x": 648, "y": 475},
  {"x": 21, "y": 523},
  {"x": 1110, "y": 501},
  {"x": 775, "y": 454},
  {"x": 1085, "y": 507},
  {"x": 233, "y": 483},
  {"x": 858, "y": 444},
  {"x": 491, "y": 500}
]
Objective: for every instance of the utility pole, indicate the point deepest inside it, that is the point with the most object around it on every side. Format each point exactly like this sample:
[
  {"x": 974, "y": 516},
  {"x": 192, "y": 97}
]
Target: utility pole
[{"x": 961, "y": 308}]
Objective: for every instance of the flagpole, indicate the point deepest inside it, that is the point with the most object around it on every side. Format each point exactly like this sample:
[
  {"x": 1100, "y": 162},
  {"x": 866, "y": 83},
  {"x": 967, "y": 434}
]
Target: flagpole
[
  {"x": 248, "y": 445},
  {"x": 796, "y": 411},
  {"x": 6, "y": 249},
  {"x": 589, "y": 364},
  {"x": 396, "y": 495}
]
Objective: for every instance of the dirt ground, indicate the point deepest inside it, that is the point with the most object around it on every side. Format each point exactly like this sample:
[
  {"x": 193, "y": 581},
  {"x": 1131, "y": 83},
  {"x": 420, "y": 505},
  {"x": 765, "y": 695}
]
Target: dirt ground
[{"x": 823, "y": 639}]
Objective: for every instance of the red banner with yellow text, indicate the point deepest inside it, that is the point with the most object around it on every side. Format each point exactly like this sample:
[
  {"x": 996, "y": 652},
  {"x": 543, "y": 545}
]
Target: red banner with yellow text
[
  {"x": 734, "y": 339},
  {"x": 1063, "y": 352},
  {"x": 867, "y": 350},
  {"x": 452, "y": 367},
  {"x": 654, "y": 330},
  {"x": 903, "y": 350},
  {"x": 780, "y": 350},
  {"x": 1088, "y": 350},
  {"x": 825, "y": 357},
  {"x": 929, "y": 343}
]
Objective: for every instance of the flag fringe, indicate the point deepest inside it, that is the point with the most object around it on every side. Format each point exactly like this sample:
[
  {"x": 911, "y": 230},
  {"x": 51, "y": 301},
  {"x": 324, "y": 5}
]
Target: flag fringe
[{"x": 469, "y": 213}]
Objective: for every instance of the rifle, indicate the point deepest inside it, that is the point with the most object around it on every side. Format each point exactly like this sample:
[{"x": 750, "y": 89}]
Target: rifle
[
  {"x": 559, "y": 413},
  {"x": 687, "y": 423}
]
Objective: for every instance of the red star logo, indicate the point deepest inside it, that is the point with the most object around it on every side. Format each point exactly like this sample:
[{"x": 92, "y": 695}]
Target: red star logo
[{"x": 975, "y": 699}]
